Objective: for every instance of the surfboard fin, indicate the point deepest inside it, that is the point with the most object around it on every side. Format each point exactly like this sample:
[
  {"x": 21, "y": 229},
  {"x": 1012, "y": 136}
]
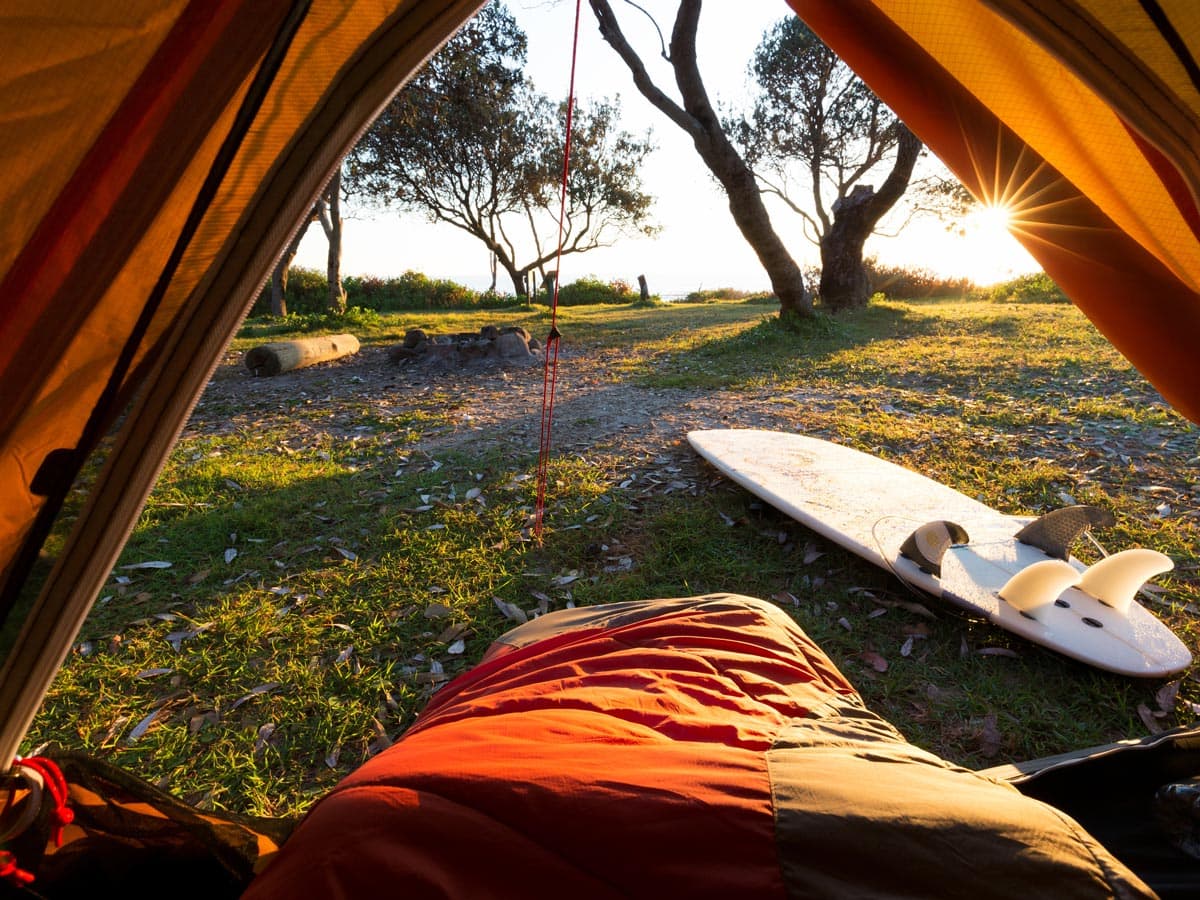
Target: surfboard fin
[
  {"x": 928, "y": 544},
  {"x": 1057, "y": 530},
  {"x": 1039, "y": 585},
  {"x": 1115, "y": 579}
]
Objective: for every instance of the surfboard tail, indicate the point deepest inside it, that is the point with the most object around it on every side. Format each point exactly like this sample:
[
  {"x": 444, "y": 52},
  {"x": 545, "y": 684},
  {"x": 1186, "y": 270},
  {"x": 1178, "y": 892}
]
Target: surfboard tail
[
  {"x": 1115, "y": 579},
  {"x": 1039, "y": 585},
  {"x": 1055, "y": 532},
  {"x": 928, "y": 544}
]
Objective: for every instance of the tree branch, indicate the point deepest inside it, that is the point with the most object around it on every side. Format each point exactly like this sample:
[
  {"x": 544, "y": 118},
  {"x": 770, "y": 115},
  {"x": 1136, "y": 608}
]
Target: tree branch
[{"x": 610, "y": 30}]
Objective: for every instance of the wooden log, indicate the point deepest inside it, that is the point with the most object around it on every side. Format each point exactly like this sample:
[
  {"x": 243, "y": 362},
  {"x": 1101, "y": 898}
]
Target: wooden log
[{"x": 283, "y": 356}]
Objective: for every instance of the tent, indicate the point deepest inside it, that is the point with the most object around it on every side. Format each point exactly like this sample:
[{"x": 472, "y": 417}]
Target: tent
[{"x": 158, "y": 155}]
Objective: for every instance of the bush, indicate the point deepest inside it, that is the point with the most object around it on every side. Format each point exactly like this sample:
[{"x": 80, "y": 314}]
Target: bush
[
  {"x": 913, "y": 284},
  {"x": 589, "y": 291},
  {"x": 1036, "y": 288},
  {"x": 710, "y": 296},
  {"x": 306, "y": 292}
]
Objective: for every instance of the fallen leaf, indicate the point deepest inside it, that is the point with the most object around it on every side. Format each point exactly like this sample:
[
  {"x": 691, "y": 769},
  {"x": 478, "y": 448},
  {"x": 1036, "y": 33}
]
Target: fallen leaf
[
  {"x": 151, "y": 564},
  {"x": 345, "y": 654},
  {"x": 990, "y": 739},
  {"x": 874, "y": 660},
  {"x": 437, "y": 611},
  {"x": 457, "y": 647},
  {"x": 151, "y": 673},
  {"x": 845, "y": 623},
  {"x": 331, "y": 758},
  {"x": 143, "y": 726},
  {"x": 1149, "y": 719},
  {"x": 197, "y": 723},
  {"x": 998, "y": 651},
  {"x": 452, "y": 632},
  {"x": 510, "y": 610},
  {"x": 254, "y": 692},
  {"x": 348, "y": 554},
  {"x": 230, "y": 554},
  {"x": 175, "y": 638},
  {"x": 197, "y": 577},
  {"x": 264, "y": 735},
  {"x": 1167, "y": 696},
  {"x": 906, "y": 647},
  {"x": 812, "y": 554}
]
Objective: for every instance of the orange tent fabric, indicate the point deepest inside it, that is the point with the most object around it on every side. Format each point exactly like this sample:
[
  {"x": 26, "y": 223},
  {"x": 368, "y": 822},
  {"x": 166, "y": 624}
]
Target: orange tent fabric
[
  {"x": 1083, "y": 116},
  {"x": 158, "y": 154}
]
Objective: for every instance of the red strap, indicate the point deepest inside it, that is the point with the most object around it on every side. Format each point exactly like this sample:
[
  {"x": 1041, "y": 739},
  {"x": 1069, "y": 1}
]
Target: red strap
[{"x": 550, "y": 375}]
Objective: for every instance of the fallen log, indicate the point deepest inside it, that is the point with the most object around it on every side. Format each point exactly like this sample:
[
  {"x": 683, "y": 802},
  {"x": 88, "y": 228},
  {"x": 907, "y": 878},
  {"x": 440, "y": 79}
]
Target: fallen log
[{"x": 283, "y": 356}]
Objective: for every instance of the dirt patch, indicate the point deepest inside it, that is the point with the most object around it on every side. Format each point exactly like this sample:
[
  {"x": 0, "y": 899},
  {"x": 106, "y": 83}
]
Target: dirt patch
[
  {"x": 498, "y": 405},
  {"x": 594, "y": 410}
]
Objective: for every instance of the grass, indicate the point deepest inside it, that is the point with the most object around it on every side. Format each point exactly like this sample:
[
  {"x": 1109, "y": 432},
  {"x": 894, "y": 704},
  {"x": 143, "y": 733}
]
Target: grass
[{"x": 326, "y": 574}]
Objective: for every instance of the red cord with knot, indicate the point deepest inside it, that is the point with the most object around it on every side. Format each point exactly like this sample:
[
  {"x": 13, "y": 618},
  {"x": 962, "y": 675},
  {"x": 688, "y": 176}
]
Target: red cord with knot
[
  {"x": 61, "y": 816},
  {"x": 550, "y": 376}
]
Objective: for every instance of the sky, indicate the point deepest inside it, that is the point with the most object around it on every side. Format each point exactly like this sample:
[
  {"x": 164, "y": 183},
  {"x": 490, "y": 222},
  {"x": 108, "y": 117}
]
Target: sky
[{"x": 698, "y": 246}]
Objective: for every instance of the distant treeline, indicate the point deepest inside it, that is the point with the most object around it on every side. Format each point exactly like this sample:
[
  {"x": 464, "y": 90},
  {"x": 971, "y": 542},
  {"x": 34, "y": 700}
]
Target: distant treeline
[{"x": 306, "y": 291}]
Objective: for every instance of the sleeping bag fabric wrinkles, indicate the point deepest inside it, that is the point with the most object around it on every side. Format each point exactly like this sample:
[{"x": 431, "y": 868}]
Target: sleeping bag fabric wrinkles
[{"x": 693, "y": 747}]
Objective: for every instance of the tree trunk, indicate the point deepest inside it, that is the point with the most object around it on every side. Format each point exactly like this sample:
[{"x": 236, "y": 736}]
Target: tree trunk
[
  {"x": 279, "y": 287},
  {"x": 701, "y": 122},
  {"x": 279, "y": 275},
  {"x": 844, "y": 282},
  {"x": 518, "y": 280},
  {"x": 329, "y": 211},
  {"x": 643, "y": 288}
]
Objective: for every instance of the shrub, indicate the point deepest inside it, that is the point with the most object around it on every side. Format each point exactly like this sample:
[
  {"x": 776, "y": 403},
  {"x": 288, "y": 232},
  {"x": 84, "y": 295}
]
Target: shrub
[
  {"x": 1035, "y": 288},
  {"x": 912, "y": 284},
  {"x": 589, "y": 291}
]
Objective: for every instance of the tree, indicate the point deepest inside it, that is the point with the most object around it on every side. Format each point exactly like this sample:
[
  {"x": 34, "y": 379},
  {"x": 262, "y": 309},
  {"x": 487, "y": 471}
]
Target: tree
[
  {"x": 814, "y": 112},
  {"x": 279, "y": 275},
  {"x": 470, "y": 142},
  {"x": 694, "y": 113},
  {"x": 328, "y": 211}
]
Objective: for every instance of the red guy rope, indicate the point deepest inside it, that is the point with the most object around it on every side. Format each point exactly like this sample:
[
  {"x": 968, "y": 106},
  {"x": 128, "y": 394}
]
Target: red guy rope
[{"x": 550, "y": 372}]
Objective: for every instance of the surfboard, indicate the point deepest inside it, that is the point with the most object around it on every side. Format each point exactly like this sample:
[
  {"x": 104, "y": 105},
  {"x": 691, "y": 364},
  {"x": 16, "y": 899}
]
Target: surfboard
[{"x": 1016, "y": 572}]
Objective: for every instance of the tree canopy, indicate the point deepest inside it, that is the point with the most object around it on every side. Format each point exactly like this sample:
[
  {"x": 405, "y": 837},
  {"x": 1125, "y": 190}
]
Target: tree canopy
[
  {"x": 812, "y": 115},
  {"x": 470, "y": 142},
  {"x": 693, "y": 112}
]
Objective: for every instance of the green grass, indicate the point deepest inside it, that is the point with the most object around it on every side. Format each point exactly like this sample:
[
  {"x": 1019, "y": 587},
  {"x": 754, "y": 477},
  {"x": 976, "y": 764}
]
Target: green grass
[{"x": 327, "y": 575}]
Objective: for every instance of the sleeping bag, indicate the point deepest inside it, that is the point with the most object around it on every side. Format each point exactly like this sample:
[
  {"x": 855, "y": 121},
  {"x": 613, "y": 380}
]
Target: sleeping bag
[{"x": 690, "y": 747}]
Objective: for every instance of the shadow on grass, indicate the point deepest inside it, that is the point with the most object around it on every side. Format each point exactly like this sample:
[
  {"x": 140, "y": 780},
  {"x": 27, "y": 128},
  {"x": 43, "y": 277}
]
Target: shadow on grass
[{"x": 772, "y": 348}]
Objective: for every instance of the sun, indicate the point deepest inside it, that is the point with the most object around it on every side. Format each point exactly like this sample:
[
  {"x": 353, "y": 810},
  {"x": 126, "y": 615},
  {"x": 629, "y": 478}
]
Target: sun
[
  {"x": 987, "y": 251},
  {"x": 990, "y": 220}
]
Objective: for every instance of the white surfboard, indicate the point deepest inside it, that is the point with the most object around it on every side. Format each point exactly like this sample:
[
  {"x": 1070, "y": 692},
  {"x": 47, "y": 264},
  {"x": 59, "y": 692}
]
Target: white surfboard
[{"x": 946, "y": 544}]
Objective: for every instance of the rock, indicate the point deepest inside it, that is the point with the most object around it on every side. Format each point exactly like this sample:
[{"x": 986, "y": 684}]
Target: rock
[{"x": 512, "y": 346}]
